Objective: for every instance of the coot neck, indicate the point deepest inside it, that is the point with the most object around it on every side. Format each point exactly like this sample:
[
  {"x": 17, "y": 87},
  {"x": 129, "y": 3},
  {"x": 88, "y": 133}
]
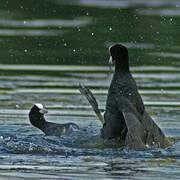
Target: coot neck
[
  {"x": 121, "y": 67},
  {"x": 38, "y": 122}
]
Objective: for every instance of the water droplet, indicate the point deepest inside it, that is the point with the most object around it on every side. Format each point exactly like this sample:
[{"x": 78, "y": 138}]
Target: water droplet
[
  {"x": 17, "y": 106},
  {"x": 92, "y": 34},
  {"x": 74, "y": 50},
  {"x": 141, "y": 37},
  {"x": 65, "y": 44},
  {"x": 25, "y": 50},
  {"x": 110, "y": 28}
]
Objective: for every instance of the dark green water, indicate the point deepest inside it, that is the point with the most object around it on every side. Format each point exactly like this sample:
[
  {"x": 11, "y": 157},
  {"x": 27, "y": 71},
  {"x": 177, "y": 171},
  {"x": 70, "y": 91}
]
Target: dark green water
[{"x": 48, "y": 47}]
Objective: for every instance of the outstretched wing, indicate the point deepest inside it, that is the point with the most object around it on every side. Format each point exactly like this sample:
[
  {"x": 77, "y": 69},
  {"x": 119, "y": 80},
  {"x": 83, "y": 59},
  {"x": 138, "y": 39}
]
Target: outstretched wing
[{"x": 92, "y": 101}]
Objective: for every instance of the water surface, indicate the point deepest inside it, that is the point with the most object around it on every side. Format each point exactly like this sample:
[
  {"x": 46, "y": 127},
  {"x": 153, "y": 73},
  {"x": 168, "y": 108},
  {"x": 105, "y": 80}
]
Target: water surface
[{"x": 48, "y": 48}]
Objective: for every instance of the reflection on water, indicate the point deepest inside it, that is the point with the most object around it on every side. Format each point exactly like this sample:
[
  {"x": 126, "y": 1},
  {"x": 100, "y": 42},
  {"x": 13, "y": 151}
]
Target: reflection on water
[{"x": 48, "y": 48}]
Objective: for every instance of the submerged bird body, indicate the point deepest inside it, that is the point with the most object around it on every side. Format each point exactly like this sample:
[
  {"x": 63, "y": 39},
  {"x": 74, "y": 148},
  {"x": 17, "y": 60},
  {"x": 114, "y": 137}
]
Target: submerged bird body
[{"x": 37, "y": 119}]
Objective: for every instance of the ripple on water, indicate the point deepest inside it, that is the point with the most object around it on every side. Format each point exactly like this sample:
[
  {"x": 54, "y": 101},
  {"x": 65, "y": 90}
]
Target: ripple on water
[
  {"x": 26, "y": 150},
  {"x": 133, "y": 45},
  {"x": 29, "y": 32},
  {"x": 39, "y": 23},
  {"x": 166, "y": 55},
  {"x": 120, "y": 4},
  {"x": 173, "y": 12},
  {"x": 83, "y": 68}
]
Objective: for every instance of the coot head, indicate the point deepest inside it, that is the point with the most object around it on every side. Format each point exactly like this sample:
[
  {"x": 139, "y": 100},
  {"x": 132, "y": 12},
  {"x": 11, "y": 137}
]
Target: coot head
[
  {"x": 38, "y": 109},
  {"x": 36, "y": 114},
  {"x": 119, "y": 56}
]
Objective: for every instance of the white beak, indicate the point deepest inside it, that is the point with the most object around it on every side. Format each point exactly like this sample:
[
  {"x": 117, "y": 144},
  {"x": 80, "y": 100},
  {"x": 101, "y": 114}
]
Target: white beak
[
  {"x": 110, "y": 60},
  {"x": 43, "y": 111}
]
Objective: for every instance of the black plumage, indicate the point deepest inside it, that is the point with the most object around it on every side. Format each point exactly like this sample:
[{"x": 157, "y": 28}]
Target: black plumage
[{"x": 125, "y": 115}]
